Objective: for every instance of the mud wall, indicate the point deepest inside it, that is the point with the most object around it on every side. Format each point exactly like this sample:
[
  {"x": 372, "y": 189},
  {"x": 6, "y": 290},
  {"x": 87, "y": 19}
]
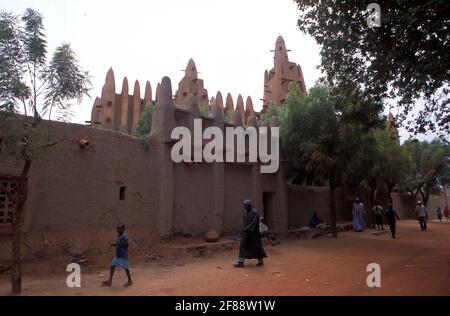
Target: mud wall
[
  {"x": 72, "y": 187},
  {"x": 303, "y": 201},
  {"x": 192, "y": 198},
  {"x": 238, "y": 187},
  {"x": 405, "y": 204},
  {"x": 118, "y": 179}
]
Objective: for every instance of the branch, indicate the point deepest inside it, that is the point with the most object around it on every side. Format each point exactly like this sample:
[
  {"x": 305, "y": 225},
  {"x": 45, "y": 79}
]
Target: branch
[
  {"x": 24, "y": 106},
  {"x": 38, "y": 94},
  {"x": 42, "y": 85},
  {"x": 53, "y": 144}
]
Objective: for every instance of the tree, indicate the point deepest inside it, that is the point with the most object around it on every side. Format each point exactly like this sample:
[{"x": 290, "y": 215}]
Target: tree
[
  {"x": 432, "y": 167},
  {"x": 322, "y": 131},
  {"x": 12, "y": 60},
  {"x": 359, "y": 169},
  {"x": 310, "y": 136},
  {"x": 405, "y": 59},
  {"x": 27, "y": 79},
  {"x": 144, "y": 126},
  {"x": 393, "y": 162},
  {"x": 273, "y": 110}
]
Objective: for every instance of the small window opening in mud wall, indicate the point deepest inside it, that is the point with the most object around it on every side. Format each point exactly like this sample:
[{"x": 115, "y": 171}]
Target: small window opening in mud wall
[
  {"x": 7, "y": 204},
  {"x": 122, "y": 192}
]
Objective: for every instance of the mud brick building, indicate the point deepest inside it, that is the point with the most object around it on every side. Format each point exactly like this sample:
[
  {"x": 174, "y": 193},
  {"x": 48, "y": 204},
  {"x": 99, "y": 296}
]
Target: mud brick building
[{"x": 77, "y": 193}]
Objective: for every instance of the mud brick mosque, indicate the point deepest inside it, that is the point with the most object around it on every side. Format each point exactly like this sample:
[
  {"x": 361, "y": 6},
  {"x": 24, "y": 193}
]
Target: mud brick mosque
[{"x": 100, "y": 174}]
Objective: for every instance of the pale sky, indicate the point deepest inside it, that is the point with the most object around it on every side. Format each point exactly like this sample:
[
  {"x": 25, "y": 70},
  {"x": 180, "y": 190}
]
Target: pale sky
[{"x": 229, "y": 40}]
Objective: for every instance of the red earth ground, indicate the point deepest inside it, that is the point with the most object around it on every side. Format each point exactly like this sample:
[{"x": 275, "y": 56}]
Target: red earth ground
[{"x": 417, "y": 263}]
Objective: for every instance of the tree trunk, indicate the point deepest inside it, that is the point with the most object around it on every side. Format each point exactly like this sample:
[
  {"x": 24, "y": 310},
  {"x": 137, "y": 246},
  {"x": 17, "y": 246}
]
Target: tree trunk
[
  {"x": 16, "y": 261},
  {"x": 445, "y": 195},
  {"x": 426, "y": 197},
  {"x": 422, "y": 194},
  {"x": 373, "y": 188},
  {"x": 16, "y": 256},
  {"x": 390, "y": 187},
  {"x": 309, "y": 179},
  {"x": 332, "y": 207}
]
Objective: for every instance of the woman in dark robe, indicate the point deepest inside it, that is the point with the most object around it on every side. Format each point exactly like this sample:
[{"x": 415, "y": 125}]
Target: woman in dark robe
[{"x": 251, "y": 245}]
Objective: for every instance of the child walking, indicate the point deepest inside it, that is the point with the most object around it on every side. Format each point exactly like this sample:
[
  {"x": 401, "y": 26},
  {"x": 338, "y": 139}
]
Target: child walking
[{"x": 121, "y": 258}]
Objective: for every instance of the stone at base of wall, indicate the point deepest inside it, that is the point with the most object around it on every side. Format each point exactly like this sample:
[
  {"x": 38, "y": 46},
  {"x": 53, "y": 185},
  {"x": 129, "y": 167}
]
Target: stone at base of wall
[
  {"x": 309, "y": 233},
  {"x": 201, "y": 249}
]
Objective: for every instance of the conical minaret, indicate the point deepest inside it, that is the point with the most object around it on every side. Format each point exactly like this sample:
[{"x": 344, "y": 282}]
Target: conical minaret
[
  {"x": 276, "y": 81},
  {"x": 229, "y": 106},
  {"x": 148, "y": 94},
  {"x": 108, "y": 105},
  {"x": 191, "y": 85},
  {"x": 136, "y": 109},
  {"x": 191, "y": 70},
  {"x": 240, "y": 108},
  {"x": 280, "y": 55},
  {"x": 124, "y": 106}
]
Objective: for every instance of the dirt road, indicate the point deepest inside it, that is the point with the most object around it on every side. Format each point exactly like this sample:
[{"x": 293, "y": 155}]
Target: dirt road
[{"x": 417, "y": 263}]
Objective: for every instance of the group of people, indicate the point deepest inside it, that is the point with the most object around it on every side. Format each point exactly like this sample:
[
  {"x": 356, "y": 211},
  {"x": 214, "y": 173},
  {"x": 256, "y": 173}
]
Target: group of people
[
  {"x": 446, "y": 213},
  {"x": 378, "y": 215},
  {"x": 254, "y": 227}
]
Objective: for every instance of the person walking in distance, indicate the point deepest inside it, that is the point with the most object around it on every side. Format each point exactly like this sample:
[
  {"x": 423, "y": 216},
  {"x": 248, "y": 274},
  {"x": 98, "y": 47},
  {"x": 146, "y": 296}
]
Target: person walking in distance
[
  {"x": 422, "y": 215},
  {"x": 447, "y": 213},
  {"x": 392, "y": 216},
  {"x": 439, "y": 213},
  {"x": 378, "y": 212}
]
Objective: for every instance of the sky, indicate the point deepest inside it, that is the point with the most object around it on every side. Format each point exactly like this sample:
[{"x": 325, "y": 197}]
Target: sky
[{"x": 230, "y": 41}]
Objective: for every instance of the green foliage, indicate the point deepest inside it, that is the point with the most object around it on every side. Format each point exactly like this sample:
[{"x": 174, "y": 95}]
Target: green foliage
[
  {"x": 203, "y": 111},
  {"x": 228, "y": 118},
  {"x": 66, "y": 80},
  {"x": 432, "y": 166},
  {"x": 308, "y": 132},
  {"x": 364, "y": 158},
  {"x": 26, "y": 79},
  {"x": 321, "y": 133},
  {"x": 12, "y": 63},
  {"x": 406, "y": 59},
  {"x": 33, "y": 40},
  {"x": 144, "y": 126},
  {"x": 393, "y": 162},
  {"x": 326, "y": 132},
  {"x": 146, "y": 142},
  {"x": 19, "y": 139},
  {"x": 272, "y": 110},
  {"x": 281, "y": 113}
]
